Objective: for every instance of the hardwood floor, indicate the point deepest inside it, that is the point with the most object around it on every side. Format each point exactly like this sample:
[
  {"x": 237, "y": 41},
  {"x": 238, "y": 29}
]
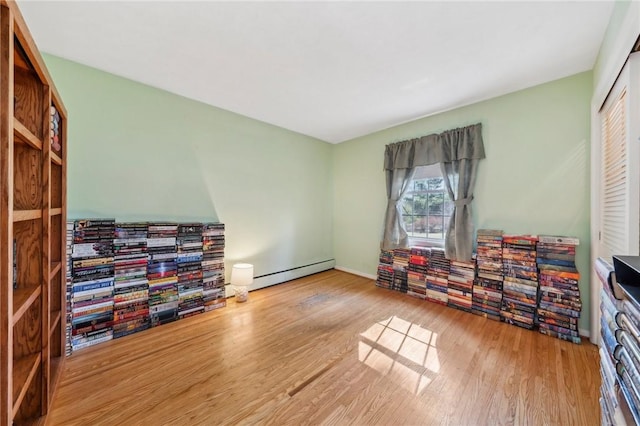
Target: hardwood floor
[{"x": 331, "y": 348}]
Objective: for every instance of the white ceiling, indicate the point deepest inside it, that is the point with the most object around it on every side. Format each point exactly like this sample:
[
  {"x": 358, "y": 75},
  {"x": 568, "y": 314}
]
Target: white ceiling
[{"x": 332, "y": 70}]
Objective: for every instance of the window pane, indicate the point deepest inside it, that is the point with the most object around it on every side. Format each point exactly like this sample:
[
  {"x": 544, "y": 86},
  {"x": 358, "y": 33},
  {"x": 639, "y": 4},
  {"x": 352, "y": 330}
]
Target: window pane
[
  {"x": 420, "y": 185},
  {"x": 436, "y": 203},
  {"x": 420, "y": 226},
  {"x": 420, "y": 204},
  {"x": 426, "y": 207},
  {"x": 436, "y": 184},
  {"x": 436, "y": 227},
  {"x": 408, "y": 224},
  {"x": 407, "y": 205}
]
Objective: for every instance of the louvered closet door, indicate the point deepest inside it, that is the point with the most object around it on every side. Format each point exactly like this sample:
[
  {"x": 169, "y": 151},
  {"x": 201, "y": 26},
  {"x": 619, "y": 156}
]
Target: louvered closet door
[{"x": 619, "y": 183}]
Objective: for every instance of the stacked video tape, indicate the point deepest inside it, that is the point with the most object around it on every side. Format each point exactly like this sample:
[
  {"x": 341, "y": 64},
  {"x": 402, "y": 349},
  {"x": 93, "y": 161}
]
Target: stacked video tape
[
  {"x": 213, "y": 294},
  {"x": 131, "y": 288},
  {"x": 92, "y": 280},
  {"x": 620, "y": 332},
  {"x": 162, "y": 272},
  {"x": 417, "y": 272},
  {"x": 190, "y": 289},
  {"x": 438, "y": 277},
  {"x": 611, "y": 398},
  {"x": 520, "y": 286},
  {"x": 487, "y": 288},
  {"x": 69, "y": 289},
  {"x": 400, "y": 264},
  {"x": 460, "y": 285},
  {"x": 55, "y": 128},
  {"x": 560, "y": 304},
  {"x": 385, "y": 269}
]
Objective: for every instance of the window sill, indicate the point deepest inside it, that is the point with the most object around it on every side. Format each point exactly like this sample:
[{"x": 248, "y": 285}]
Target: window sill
[{"x": 425, "y": 242}]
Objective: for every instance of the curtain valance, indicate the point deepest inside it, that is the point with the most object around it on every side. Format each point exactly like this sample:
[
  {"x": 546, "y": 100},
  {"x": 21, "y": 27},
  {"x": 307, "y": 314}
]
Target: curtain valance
[{"x": 452, "y": 145}]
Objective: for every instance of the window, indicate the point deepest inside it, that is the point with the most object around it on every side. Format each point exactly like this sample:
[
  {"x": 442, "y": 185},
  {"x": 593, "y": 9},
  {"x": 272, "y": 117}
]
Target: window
[{"x": 426, "y": 206}]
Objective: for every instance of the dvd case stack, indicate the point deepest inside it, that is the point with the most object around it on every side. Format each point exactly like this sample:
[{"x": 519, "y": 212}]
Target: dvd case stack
[
  {"x": 620, "y": 324},
  {"x": 559, "y": 304},
  {"x": 55, "y": 128},
  {"x": 437, "y": 277},
  {"x": 460, "y": 284},
  {"x": 417, "y": 272},
  {"x": 400, "y": 264},
  {"x": 92, "y": 280},
  {"x": 69, "y": 289},
  {"x": 610, "y": 392},
  {"x": 385, "y": 269},
  {"x": 614, "y": 407},
  {"x": 162, "y": 272},
  {"x": 131, "y": 288},
  {"x": 190, "y": 289},
  {"x": 213, "y": 266},
  {"x": 520, "y": 286},
  {"x": 487, "y": 288}
]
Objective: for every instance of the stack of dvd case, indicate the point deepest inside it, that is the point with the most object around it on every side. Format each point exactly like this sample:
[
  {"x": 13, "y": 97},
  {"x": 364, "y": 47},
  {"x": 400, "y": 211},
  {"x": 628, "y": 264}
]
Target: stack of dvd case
[
  {"x": 92, "y": 280},
  {"x": 400, "y": 264},
  {"x": 385, "y": 269},
  {"x": 487, "y": 288},
  {"x": 55, "y": 128},
  {"x": 69, "y": 289},
  {"x": 559, "y": 304},
  {"x": 190, "y": 290},
  {"x": 460, "y": 284},
  {"x": 611, "y": 399},
  {"x": 131, "y": 288},
  {"x": 213, "y": 266},
  {"x": 520, "y": 287},
  {"x": 620, "y": 324},
  {"x": 617, "y": 407},
  {"x": 162, "y": 272},
  {"x": 437, "y": 277},
  {"x": 417, "y": 272}
]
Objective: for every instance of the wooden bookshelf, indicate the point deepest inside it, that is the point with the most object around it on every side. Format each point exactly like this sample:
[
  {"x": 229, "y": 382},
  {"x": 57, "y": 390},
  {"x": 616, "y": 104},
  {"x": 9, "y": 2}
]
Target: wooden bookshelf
[{"x": 32, "y": 217}]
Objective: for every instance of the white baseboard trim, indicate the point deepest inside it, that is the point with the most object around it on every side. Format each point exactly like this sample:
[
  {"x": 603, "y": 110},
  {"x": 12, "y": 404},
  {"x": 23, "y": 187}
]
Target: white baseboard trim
[
  {"x": 584, "y": 333},
  {"x": 354, "y": 272},
  {"x": 284, "y": 276}
]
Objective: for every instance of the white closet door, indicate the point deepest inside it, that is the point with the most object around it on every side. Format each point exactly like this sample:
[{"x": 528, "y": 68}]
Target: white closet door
[{"x": 619, "y": 194}]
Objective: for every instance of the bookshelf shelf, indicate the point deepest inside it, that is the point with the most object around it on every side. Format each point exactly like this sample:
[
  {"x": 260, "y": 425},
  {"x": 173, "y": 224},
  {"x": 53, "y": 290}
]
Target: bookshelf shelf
[
  {"x": 24, "y": 135},
  {"x": 55, "y": 159},
  {"x": 23, "y": 299},
  {"x": 22, "y": 215},
  {"x": 24, "y": 371},
  {"x": 33, "y": 175}
]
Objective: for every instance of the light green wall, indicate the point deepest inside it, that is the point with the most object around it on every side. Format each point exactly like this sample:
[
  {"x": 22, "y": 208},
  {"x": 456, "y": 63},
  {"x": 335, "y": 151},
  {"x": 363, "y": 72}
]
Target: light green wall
[
  {"x": 139, "y": 153},
  {"x": 534, "y": 180}
]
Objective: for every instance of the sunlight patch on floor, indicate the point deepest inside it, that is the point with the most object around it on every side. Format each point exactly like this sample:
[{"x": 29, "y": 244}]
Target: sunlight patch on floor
[{"x": 402, "y": 351}]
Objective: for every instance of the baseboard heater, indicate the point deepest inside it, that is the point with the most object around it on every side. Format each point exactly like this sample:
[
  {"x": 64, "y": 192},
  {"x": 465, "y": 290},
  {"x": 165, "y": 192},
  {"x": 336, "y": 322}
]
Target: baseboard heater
[{"x": 279, "y": 277}]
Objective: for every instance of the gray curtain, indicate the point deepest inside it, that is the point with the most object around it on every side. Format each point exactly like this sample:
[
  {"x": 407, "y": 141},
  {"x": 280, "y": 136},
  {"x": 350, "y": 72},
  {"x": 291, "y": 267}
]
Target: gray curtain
[
  {"x": 458, "y": 152},
  {"x": 460, "y": 178},
  {"x": 398, "y": 181}
]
